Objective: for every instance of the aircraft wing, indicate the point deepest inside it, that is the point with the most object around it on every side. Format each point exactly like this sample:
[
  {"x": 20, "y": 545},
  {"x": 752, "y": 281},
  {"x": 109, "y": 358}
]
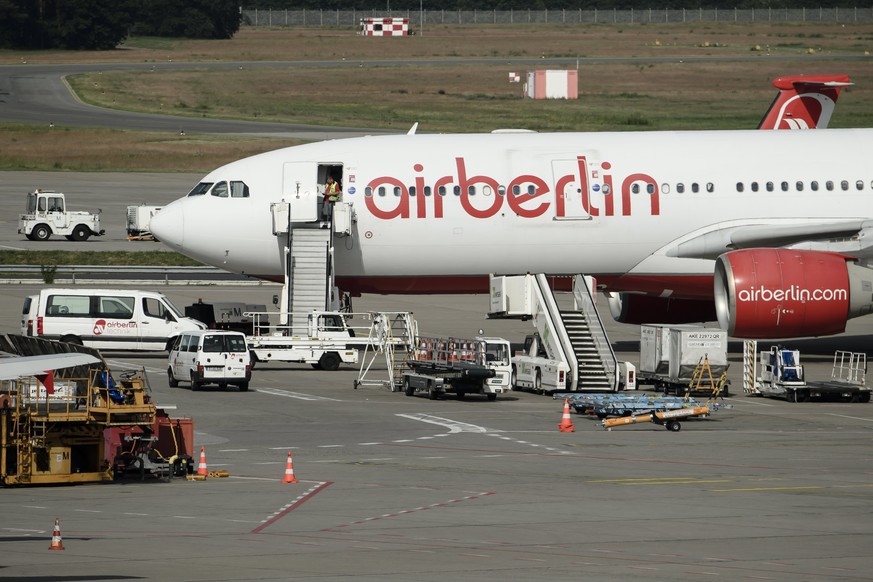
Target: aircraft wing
[
  {"x": 15, "y": 367},
  {"x": 711, "y": 244}
]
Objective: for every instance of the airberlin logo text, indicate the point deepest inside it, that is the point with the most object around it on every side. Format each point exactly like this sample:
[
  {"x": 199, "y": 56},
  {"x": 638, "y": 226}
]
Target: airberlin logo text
[
  {"x": 793, "y": 293},
  {"x": 586, "y": 189},
  {"x": 101, "y": 325}
]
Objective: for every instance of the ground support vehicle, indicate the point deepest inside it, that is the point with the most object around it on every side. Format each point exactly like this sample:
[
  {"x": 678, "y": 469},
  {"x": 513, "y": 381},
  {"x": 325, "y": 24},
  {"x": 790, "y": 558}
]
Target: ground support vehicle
[
  {"x": 534, "y": 369},
  {"x": 324, "y": 347},
  {"x": 457, "y": 365},
  {"x": 571, "y": 350},
  {"x": 320, "y": 354},
  {"x": 113, "y": 319},
  {"x": 605, "y": 405},
  {"x": 671, "y": 357},
  {"x": 217, "y": 357},
  {"x": 138, "y": 218},
  {"x": 46, "y": 214},
  {"x": 329, "y": 340},
  {"x": 77, "y": 420},
  {"x": 782, "y": 376}
]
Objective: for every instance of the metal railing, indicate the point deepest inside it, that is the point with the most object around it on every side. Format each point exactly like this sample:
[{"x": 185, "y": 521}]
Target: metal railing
[
  {"x": 79, "y": 273},
  {"x": 421, "y": 19}
]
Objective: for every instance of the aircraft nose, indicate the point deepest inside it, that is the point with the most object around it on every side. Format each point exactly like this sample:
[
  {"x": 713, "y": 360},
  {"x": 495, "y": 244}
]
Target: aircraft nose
[{"x": 168, "y": 225}]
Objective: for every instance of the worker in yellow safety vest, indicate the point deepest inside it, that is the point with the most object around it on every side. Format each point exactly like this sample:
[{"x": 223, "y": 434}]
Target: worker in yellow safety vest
[{"x": 331, "y": 195}]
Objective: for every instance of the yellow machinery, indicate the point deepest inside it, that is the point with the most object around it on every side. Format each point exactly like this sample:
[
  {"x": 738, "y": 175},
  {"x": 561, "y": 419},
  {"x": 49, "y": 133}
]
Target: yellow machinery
[{"x": 52, "y": 427}]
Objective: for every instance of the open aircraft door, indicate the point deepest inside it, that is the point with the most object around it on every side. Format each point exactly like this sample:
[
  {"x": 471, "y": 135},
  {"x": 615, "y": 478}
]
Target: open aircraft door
[
  {"x": 571, "y": 200},
  {"x": 300, "y": 190}
]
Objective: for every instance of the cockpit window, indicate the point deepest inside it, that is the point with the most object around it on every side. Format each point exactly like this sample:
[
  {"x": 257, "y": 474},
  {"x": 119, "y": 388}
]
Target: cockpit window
[
  {"x": 200, "y": 189},
  {"x": 220, "y": 190},
  {"x": 239, "y": 190}
]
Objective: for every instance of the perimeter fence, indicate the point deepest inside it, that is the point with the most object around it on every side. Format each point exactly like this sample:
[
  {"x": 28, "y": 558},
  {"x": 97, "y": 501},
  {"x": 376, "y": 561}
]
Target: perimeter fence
[{"x": 281, "y": 17}]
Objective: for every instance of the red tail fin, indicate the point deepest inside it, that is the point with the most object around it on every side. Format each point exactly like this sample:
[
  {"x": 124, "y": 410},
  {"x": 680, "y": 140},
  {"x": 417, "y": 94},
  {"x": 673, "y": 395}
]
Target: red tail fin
[{"x": 804, "y": 101}]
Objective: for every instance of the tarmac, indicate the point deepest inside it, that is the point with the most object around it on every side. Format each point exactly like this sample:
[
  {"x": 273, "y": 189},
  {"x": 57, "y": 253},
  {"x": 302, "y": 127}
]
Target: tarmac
[{"x": 392, "y": 487}]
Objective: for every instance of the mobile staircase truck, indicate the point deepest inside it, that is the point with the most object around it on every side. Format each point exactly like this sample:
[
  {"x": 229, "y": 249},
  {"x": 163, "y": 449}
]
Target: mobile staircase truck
[
  {"x": 570, "y": 350},
  {"x": 782, "y": 376},
  {"x": 322, "y": 346},
  {"x": 46, "y": 214},
  {"x": 460, "y": 366},
  {"x": 670, "y": 355},
  {"x": 327, "y": 342}
]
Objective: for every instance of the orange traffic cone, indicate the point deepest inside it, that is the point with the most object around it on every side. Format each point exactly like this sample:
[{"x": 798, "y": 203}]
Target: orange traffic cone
[
  {"x": 201, "y": 468},
  {"x": 566, "y": 422},
  {"x": 57, "y": 542},
  {"x": 289, "y": 471}
]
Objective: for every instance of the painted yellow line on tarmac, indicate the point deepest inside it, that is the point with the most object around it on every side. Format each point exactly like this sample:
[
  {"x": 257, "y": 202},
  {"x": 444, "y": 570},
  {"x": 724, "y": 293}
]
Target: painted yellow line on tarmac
[
  {"x": 794, "y": 488},
  {"x": 661, "y": 481}
]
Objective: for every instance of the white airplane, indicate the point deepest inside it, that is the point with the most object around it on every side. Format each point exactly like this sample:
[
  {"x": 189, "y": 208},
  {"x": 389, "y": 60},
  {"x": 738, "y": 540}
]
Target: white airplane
[{"x": 767, "y": 231}]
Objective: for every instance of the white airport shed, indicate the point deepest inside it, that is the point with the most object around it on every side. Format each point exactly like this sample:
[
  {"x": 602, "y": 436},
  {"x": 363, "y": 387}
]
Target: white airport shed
[
  {"x": 552, "y": 84},
  {"x": 385, "y": 26}
]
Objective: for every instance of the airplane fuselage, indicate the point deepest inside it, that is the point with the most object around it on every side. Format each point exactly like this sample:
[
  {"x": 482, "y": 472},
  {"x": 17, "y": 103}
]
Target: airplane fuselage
[{"x": 437, "y": 213}]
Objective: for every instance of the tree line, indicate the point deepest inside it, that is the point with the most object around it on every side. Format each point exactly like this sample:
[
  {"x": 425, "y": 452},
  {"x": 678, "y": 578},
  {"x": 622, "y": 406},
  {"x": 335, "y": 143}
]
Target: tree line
[{"x": 103, "y": 24}]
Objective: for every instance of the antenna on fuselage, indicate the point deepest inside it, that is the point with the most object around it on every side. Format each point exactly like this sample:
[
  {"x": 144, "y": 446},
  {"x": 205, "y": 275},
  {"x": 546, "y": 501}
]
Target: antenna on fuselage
[{"x": 412, "y": 129}]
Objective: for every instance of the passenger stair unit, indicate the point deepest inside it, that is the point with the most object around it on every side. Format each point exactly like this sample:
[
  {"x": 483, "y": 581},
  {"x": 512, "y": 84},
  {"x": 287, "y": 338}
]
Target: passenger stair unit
[
  {"x": 308, "y": 238},
  {"x": 572, "y": 333},
  {"x": 308, "y": 274}
]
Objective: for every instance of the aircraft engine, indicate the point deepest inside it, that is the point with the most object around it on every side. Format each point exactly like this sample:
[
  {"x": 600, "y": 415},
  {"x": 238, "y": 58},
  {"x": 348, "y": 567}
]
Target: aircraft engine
[
  {"x": 779, "y": 293},
  {"x": 638, "y": 309}
]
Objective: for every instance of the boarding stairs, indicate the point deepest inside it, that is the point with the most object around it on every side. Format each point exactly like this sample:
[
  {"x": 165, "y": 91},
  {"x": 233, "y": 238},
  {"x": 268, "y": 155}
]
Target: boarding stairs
[
  {"x": 392, "y": 338},
  {"x": 308, "y": 240},
  {"x": 597, "y": 365},
  {"x": 572, "y": 332},
  {"x": 309, "y": 274}
]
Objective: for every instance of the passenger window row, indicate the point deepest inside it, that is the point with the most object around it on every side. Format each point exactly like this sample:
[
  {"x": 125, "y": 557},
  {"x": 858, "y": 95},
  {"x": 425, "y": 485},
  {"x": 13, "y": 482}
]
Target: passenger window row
[
  {"x": 681, "y": 188},
  {"x": 472, "y": 190},
  {"x": 799, "y": 186}
]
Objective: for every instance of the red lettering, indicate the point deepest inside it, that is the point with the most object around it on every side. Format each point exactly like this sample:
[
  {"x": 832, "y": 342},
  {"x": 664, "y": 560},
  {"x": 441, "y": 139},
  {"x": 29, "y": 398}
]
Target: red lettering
[
  {"x": 402, "y": 208},
  {"x": 583, "y": 184},
  {"x": 524, "y": 194},
  {"x": 465, "y": 184},
  {"x": 421, "y": 202},
  {"x": 626, "y": 193},
  {"x": 516, "y": 200}
]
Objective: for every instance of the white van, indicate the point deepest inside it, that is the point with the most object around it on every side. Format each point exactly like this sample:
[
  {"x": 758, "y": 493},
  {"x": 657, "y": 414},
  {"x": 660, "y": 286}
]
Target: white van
[
  {"x": 112, "y": 319},
  {"x": 210, "y": 357}
]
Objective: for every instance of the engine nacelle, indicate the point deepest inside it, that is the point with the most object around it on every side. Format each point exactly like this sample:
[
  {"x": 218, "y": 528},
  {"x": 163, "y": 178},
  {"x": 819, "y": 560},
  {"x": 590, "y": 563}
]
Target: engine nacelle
[
  {"x": 639, "y": 309},
  {"x": 779, "y": 293}
]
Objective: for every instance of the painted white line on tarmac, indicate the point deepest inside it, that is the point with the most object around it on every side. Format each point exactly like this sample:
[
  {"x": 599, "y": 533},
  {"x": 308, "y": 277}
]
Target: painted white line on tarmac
[
  {"x": 850, "y": 417},
  {"x": 297, "y": 395},
  {"x": 454, "y": 426}
]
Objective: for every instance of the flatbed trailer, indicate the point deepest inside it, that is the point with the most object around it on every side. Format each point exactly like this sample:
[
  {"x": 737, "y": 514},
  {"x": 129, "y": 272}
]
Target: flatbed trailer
[
  {"x": 606, "y": 405},
  {"x": 782, "y": 376},
  {"x": 459, "y": 366}
]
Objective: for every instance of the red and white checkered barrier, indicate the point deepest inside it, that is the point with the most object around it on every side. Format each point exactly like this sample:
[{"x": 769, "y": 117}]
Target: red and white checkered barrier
[{"x": 385, "y": 26}]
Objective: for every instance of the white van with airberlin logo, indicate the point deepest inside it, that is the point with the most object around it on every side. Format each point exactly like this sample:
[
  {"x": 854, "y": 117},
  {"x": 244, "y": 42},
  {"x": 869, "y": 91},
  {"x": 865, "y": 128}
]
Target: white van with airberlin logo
[{"x": 109, "y": 319}]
